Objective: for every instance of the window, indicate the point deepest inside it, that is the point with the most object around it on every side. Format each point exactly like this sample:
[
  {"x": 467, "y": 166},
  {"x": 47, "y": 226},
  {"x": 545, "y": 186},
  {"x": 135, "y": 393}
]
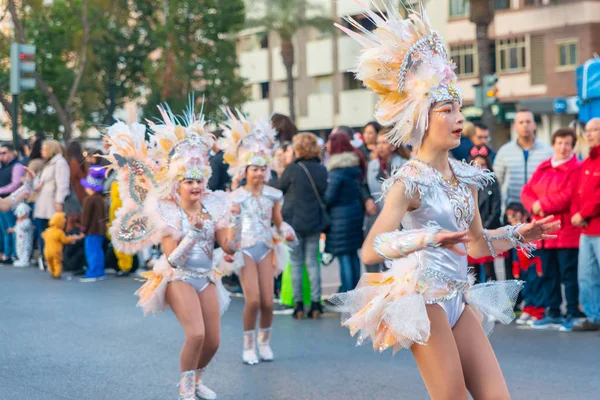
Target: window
[
  {"x": 264, "y": 90},
  {"x": 364, "y": 21},
  {"x": 568, "y": 53},
  {"x": 264, "y": 41},
  {"x": 465, "y": 59},
  {"x": 511, "y": 54},
  {"x": 459, "y": 8},
  {"x": 502, "y": 4},
  {"x": 323, "y": 84},
  {"x": 350, "y": 82}
]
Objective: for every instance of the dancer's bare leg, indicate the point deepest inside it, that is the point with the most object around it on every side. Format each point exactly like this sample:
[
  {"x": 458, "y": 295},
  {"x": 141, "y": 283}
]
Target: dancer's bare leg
[
  {"x": 482, "y": 372},
  {"x": 184, "y": 302},
  {"x": 266, "y": 284},
  {"x": 209, "y": 302},
  {"x": 249, "y": 281},
  {"x": 439, "y": 361}
]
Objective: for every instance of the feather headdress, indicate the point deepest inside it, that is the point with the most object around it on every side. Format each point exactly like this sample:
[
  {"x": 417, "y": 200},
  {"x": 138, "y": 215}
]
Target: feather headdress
[
  {"x": 405, "y": 63},
  {"x": 247, "y": 143}
]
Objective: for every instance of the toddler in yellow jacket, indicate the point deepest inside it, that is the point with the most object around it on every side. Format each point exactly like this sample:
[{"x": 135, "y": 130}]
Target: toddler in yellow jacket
[{"x": 54, "y": 241}]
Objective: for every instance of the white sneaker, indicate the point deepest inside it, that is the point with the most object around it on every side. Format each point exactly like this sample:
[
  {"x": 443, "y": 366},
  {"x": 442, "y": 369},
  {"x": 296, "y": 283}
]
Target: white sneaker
[
  {"x": 204, "y": 393},
  {"x": 523, "y": 319},
  {"x": 41, "y": 264},
  {"x": 249, "y": 354},
  {"x": 264, "y": 347}
]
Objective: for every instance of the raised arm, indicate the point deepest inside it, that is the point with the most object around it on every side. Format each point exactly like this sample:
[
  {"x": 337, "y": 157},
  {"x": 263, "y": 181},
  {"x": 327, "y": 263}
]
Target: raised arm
[{"x": 490, "y": 242}]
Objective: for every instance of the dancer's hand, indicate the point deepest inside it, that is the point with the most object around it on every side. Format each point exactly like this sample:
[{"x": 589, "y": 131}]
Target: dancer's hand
[
  {"x": 235, "y": 209},
  {"x": 451, "y": 240},
  {"x": 228, "y": 258},
  {"x": 540, "y": 229},
  {"x": 290, "y": 237},
  {"x": 199, "y": 224}
]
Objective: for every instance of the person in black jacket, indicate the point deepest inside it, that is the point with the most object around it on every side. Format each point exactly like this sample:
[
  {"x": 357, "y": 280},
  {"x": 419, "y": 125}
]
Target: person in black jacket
[
  {"x": 219, "y": 179},
  {"x": 346, "y": 168},
  {"x": 490, "y": 208},
  {"x": 303, "y": 210}
]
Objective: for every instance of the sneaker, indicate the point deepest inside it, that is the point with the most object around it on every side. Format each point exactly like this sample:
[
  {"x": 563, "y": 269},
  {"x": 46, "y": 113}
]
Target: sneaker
[
  {"x": 87, "y": 280},
  {"x": 522, "y": 320},
  {"x": 531, "y": 321},
  {"x": 568, "y": 325},
  {"x": 41, "y": 264},
  {"x": 585, "y": 326},
  {"x": 548, "y": 323}
]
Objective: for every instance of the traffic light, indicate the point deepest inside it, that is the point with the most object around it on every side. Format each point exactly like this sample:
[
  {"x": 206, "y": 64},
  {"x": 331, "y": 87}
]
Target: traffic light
[
  {"x": 21, "y": 64},
  {"x": 489, "y": 90}
]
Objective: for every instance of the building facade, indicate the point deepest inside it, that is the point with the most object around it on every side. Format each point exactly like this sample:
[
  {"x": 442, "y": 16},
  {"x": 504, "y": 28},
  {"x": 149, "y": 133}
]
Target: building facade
[{"x": 536, "y": 45}]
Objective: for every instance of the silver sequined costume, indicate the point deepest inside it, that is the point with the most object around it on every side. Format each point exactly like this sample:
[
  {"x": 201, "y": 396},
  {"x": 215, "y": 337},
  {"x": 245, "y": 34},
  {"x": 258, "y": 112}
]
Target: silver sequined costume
[
  {"x": 24, "y": 241},
  {"x": 257, "y": 214},
  {"x": 389, "y": 307}
]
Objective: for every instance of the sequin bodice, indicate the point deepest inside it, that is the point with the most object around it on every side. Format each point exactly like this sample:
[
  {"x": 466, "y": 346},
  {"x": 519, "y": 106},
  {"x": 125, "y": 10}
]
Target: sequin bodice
[
  {"x": 257, "y": 214},
  {"x": 200, "y": 257},
  {"x": 449, "y": 204}
]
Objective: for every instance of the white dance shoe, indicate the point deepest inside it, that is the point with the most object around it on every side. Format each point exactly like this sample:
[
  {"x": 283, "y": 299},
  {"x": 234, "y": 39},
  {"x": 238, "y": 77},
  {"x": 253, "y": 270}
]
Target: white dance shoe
[
  {"x": 249, "y": 354},
  {"x": 264, "y": 344}
]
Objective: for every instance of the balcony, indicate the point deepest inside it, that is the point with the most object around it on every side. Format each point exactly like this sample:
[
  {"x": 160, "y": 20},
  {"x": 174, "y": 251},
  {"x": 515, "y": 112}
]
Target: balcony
[
  {"x": 356, "y": 107},
  {"x": 320, "y": 112},
  {"x": 348, "y": 52},
  {"x": 257, "y": 109},
  {"x": 278, "y": 67},
  {"x": 254, "y": 65},
  {"x": 319, "y": 58}
]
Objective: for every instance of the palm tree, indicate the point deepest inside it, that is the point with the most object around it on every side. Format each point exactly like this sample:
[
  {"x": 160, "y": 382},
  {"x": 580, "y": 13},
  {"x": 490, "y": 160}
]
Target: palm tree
[
  {"x": 482, "y": 15},
  {"x": 285, "y": 18}
]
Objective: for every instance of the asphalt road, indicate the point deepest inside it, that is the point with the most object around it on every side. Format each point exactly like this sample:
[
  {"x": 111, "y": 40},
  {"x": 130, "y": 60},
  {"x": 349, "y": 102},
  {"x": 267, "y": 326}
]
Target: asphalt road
[{"x": 68, "y": 340}]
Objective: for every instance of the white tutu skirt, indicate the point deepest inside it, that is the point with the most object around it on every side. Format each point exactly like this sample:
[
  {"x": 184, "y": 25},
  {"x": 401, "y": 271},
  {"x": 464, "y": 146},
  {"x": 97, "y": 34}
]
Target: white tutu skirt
[
  {"x": 389, "y": 308},
  {"x": 281, "y": 253},
  {"x": 152, "y": 292}
]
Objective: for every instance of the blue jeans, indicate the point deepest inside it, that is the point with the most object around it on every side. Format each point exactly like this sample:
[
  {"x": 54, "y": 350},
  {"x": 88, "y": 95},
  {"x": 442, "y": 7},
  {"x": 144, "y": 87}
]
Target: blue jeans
[
  {"x": 532, "y": 292},
  {"x": 349, "y": 270},
  {"x": 94, "y": 255},
  {"x": 7, "y": 220},
  {"x": 306, "y": 253},
  {"x": 589, "y": 277},
  {"x": 40, "y": 226},
  {"x": 560, "y": 266}
]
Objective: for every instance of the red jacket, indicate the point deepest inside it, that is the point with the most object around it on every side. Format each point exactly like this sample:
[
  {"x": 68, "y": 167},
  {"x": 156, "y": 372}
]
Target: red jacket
[
  {"x": 587, "y": 197},
  {"x": 555, "y": 188}
]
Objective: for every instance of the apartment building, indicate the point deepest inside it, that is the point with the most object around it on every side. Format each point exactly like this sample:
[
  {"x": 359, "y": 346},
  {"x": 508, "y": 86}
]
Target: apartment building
[{"x": 536, "y": 45}]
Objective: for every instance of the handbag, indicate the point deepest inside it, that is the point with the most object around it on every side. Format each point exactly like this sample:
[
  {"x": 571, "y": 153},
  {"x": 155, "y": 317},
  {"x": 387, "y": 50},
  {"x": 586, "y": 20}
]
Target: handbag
[
  {"x": 325, "y": 219},
  {"x": 72, "y": 203}
]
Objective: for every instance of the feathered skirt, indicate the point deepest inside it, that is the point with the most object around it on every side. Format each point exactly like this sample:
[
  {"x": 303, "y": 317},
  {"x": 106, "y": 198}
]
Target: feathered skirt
[{"x": 389, "y": 307}]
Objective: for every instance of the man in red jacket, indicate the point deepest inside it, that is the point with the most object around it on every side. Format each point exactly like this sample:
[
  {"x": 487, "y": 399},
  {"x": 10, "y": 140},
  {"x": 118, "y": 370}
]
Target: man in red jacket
[
  {"x": 586, "y": 207},
  {"x": 550, "y": 192}
]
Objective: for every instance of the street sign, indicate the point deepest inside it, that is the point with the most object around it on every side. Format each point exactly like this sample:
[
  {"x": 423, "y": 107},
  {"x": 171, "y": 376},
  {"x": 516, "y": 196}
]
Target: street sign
[{"x": 560, "y": 106}]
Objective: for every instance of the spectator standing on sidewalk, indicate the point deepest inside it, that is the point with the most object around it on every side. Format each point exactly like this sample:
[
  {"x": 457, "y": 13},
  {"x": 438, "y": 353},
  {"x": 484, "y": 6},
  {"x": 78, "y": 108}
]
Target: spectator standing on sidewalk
[
  {"x": 52, "y": 187},
  {"x": 11, "y": 178},
  {"x": 461, "y": 153},
  {"x": 586, "y": 208},
  {"x": 489, "y": 202},
  {"x": 550, "y": 192},
  {"x": 388, "y": 159},
  {"x": 346, "y": 168},
  {"x": 369, "y": 137},
  {"x": 516, "y": 161},
  {"x": 303, "y": 211},
  {"x": 480, "y": 140}
]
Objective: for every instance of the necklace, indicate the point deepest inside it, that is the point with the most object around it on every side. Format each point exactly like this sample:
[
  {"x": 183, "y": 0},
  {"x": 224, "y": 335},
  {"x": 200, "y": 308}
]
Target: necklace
[
  {"x": 452, "y": 181},
  {"x": 200, "y": 212}
]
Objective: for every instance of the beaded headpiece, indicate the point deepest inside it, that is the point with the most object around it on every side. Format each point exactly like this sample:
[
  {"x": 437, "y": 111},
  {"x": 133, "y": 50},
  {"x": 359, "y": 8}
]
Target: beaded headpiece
[
  {"x": 247, "y": 143},
  {"x": 405, "y": 63}
]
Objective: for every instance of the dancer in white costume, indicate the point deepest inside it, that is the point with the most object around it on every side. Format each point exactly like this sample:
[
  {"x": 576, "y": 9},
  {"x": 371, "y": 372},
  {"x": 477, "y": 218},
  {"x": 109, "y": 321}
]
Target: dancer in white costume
[
  {"x": 263, "y": 251},
  {"x": 167, "y": 202},
  {"x": 427, "y": 301}
]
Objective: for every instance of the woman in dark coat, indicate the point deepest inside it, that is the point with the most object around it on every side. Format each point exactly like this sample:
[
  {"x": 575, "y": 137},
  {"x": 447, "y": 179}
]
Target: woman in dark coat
[
  {"x": 346, "y": 168},
  {"x": 302, "y": 210},
  {"x": 490, "y": 209}
]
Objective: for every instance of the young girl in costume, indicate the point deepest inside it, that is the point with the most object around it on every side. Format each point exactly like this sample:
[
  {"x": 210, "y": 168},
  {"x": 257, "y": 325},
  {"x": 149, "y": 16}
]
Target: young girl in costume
[
  {"x": 165, "y": 200},
  {"x": 23, "y": 231},
  {"x": 249, "y": 152},
  {"x": 427, "y": 302}
]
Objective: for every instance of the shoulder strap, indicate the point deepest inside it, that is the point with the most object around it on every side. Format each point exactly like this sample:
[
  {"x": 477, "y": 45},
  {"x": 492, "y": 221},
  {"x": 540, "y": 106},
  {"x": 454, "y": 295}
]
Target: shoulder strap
[{"x": 312, "y": 184}]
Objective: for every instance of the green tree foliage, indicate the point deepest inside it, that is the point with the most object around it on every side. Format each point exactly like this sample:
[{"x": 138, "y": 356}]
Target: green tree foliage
[{"x": 195, "y": 54}]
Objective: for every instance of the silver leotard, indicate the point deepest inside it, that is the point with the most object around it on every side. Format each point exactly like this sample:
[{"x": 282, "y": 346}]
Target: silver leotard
[{"x": 452, "y": 207}]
